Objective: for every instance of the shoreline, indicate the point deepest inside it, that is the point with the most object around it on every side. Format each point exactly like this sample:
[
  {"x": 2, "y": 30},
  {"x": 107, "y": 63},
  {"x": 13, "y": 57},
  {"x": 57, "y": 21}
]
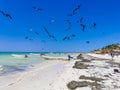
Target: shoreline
[
  {"x": 57, "y": 74},
  {"x": 33, "y": 77}
]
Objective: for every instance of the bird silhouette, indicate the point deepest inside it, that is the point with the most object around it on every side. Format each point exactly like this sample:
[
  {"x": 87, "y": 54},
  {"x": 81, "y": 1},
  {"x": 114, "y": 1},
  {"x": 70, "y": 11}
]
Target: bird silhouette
[
  {"x": 81, "y": 19},
  {"x": 37, "y": 8},
  {"x": 68, "y": 37},
  {"x": 26, "y": 37},
  {"x": 83, "y": 27},
  {"x": 73, "y": 35},
  {"x": 36, "y": 33},
  {"x": 6, "y": 15},
  {"x": 93, "y": 25},
  {"x": 74, "y": 11},
  {"x": 50, "y": 36},
  {"x": 87, "y": 42},
  {"x": 64, "y": 38}
]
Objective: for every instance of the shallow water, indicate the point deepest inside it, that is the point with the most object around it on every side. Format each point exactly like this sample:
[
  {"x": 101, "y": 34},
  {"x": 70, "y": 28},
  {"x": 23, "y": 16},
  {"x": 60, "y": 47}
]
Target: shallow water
[
  {"x": 12, "y": 62},
  {"x": 15, "y": 61}
]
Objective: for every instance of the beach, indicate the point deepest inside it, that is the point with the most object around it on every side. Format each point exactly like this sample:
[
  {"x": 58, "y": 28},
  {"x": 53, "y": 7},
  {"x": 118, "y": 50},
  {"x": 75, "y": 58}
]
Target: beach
[{"x": 60, "y": 75}]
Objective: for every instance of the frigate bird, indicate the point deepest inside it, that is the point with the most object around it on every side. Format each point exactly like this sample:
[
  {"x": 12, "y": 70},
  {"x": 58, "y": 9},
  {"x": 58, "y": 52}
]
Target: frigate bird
[
  {"x": 68, "y": 37},
  {"x": 83, "y": 27},
  {"x": 74, "y": 11},
  {"x": 87, "y": 42},
  {"x": 31, "y": 39},
  {"x": 36, "y": 33},
  {"x": 47, "y": 31},
  {"x": 81, "y": 19},
  {"x": 93, "y": 25},
  {"x": 26, "y": 37},
  {"x": 6, "y": 14},
  {"x": 64, "y": 38},
  {"x": 50, "y": 36},
  {"x": 73, "y": 35},
  {"x": 37, "y": 8}
]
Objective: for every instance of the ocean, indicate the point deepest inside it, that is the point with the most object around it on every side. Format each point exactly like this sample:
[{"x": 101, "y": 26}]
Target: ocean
[
  {"x": 16, "y": 61},
  {"x": 11, "y": 62}
]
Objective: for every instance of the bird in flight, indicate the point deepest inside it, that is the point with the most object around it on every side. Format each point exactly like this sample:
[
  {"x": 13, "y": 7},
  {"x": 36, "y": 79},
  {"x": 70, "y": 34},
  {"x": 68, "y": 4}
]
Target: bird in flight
[
  {"x": 93, "y": 25},
  {"x": 68, "y": 37},
  {"x": 87, "y": 42},
  {"x": 83, "y": 27},
  {"x": 50, "y": 36},
  {"x": 26, "y": 37},
  {"x": 6, "y": 14},
  {"x": 80, "y": 20},
  {"x": 36, "y": 33},
  {"x": 74, "y": 11},
  {"x": 37, "y": 8}
]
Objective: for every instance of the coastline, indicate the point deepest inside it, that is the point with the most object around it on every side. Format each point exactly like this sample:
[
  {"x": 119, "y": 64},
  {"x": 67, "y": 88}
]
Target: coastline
[{"x": 57, "y": 74}]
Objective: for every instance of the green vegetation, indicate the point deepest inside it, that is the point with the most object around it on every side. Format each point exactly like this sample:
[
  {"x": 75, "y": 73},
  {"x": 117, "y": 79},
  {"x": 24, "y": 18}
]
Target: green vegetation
[{"x": 108, "y": 48}]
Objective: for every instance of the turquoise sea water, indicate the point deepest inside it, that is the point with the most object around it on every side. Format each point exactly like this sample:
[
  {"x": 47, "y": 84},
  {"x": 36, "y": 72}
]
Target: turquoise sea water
[{"x": 15, "y": 61}]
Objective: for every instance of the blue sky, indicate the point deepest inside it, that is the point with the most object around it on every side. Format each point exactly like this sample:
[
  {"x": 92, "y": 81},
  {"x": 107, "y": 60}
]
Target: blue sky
[{"x": 26, "y": 21}]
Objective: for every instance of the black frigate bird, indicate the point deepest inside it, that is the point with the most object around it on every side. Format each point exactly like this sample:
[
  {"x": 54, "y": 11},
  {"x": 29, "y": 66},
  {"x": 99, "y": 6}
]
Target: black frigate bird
[
  {"x": 6, "y": 14},
  {"x": 50, "y": 36},
  {"x": 37, "y": 8},
  {"x": 83, "y": 27},
  {"x": 74, "y": 11}
]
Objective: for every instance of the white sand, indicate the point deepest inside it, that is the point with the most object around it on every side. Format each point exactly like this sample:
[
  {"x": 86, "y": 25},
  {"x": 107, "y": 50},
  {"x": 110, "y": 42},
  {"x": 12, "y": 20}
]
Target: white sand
[
  {"x": 38, "y": 77},
  {"x": 55, "y": 75}
]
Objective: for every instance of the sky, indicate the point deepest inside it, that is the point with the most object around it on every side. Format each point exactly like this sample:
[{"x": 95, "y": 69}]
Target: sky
[{"x": 26, "y": 21}]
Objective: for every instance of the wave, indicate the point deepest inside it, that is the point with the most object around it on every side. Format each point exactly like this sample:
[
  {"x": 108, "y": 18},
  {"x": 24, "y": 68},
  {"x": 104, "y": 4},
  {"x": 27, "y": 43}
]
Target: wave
[
  {"x": 17, "y": 55},
  {"x": 1, "y": 67}
]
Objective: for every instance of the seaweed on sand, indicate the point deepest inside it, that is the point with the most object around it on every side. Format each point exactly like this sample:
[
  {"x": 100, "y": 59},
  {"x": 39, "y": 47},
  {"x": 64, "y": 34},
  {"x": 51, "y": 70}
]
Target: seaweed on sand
[
  {"x": 80, "y": 65},
  {"x": 74, "y": 84},
  {"x": 91, "y": 78}
]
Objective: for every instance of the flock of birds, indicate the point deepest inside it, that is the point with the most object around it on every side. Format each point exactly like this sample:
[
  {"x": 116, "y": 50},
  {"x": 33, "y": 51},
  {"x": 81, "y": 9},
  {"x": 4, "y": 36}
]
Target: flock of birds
[{"x": 74, "y": 11}]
